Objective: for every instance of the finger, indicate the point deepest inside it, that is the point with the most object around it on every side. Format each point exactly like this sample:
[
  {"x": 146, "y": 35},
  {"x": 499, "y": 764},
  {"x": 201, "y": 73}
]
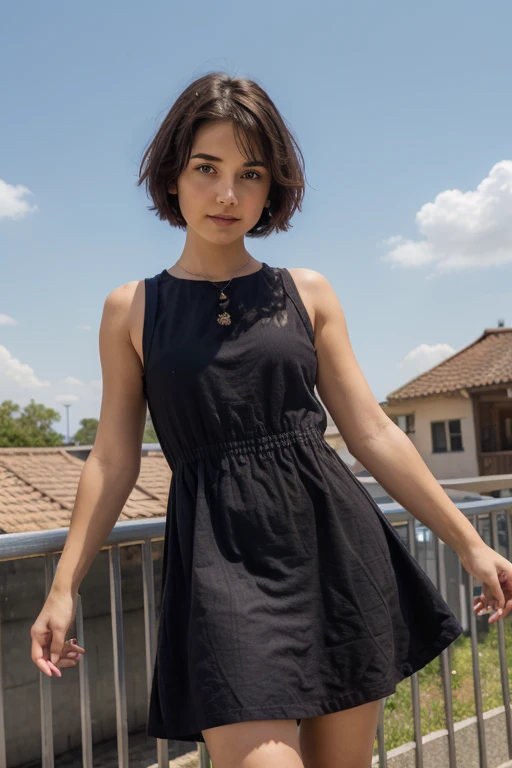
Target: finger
[
  {"x": 64, "y": 663},
  {"x": 504, "y": 613},
  {"x": 498, "y": 593},
  {"x": 498, "y": 614},
  {"x": 73, "y": 655},
  {"x": 71, "y": 648},
  {"x": 57, "y": 645},
  {"x": 505, "y": 578},
  {"x": 43, "y": 666},
  {"x": 54, "y": 668},
  {"x": 77, "y": 648},
  {"x": 38, "y": 655},
  {"x": 482, "y": 602}
]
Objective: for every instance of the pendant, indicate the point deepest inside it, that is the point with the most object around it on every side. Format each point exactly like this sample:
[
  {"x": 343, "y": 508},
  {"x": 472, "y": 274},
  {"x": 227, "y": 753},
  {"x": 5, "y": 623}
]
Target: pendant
[{"x": 224, "y": 318}]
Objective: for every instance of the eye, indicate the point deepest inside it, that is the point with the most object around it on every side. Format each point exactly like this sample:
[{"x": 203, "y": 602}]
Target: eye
[{"x": 199, "y": 167}]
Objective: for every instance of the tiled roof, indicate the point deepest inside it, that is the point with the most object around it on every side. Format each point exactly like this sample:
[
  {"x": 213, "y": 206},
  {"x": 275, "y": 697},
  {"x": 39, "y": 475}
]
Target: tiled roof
[
  {"x": 38, "y": 488},
  {"x": 485, "y": 362}
]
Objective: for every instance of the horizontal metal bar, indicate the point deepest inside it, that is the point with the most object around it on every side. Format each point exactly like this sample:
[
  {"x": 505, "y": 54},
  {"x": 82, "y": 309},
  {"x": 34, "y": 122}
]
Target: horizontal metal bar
[{"x": 32, "y": 543}]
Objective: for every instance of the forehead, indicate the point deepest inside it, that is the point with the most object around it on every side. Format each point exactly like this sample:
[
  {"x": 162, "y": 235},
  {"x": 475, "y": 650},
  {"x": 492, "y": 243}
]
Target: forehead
[{"x": 218, "y": 137}]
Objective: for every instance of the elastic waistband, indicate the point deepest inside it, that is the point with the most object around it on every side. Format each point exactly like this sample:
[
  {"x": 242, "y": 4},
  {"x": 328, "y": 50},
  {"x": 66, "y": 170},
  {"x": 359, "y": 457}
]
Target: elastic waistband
[{"x": 263, "y": 445}]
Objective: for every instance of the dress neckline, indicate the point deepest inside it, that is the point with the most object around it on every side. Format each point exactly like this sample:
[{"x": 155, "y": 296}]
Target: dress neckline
[{"x": 165, "y": 273}]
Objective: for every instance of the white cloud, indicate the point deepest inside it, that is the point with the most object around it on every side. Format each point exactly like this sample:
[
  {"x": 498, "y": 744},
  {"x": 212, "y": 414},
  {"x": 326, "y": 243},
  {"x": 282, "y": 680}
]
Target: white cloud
[
  {"x": 7, "y": 320},
  {"x": 17, "y": 371},
  {"x": 85, "y": 327},
  {"x": 424, "y": 357},
  {"x": 64, "y": 399},
  {"x": 72, "y": 380},
  {"x": 393, "y": 240},
  {"x": 462, "y": 230},
  {"x": 12, "y": 206}
]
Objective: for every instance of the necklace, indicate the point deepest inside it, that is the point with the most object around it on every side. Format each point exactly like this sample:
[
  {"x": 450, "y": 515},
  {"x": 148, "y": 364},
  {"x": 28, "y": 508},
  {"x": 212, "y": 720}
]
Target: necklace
[{"x": 224, "y": 318}]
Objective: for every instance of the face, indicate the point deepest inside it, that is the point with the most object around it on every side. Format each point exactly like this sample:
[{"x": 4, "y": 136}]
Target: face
[{"x": 220, "y": 181}]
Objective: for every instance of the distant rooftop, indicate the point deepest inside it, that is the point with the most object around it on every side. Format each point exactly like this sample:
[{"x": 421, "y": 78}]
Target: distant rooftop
[
  {"x": 38, "y": 487},
  {"x": 485, "y": 362}
]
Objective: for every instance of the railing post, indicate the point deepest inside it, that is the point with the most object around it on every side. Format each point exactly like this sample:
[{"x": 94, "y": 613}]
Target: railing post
[
  {"x": 445, "y": 659},
  {"x": 45, "y": 685},
  {"x": 476, "y": 666},
  {"x": 501, "y": 646},
  {"x": 85, "y": 698},
  {"x": 204, "y": 757},
  {"x": 116, "y": 611},
  {"x": 148, "y": 583},
  {"x": 3, "y": 757},
  {"x": 415, "y": 688}
]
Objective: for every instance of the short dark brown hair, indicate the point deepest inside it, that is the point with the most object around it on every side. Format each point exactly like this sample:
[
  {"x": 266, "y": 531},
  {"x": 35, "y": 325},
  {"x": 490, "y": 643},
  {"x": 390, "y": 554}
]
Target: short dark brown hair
[{"x": 255, "y": 118}]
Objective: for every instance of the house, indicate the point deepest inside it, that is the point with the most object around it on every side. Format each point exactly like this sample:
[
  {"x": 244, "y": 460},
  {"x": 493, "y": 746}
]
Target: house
[{"x": 458, "y": 414}]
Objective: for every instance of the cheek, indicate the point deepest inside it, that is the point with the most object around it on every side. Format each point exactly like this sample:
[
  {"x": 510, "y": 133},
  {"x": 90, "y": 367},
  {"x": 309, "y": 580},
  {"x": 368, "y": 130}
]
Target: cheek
[
  {"x": 256, "y": 199},
  {"x": 192, "y": 192}
]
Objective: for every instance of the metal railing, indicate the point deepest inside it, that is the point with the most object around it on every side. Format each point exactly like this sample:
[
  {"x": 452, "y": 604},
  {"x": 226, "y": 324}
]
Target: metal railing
[{"x": 49, "y": 544}]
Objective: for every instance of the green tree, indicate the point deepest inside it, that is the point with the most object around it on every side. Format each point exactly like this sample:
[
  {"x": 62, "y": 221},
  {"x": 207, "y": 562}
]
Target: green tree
[
  {"x": 31, "y": 426},
  {"x": 86, "y": 435}
]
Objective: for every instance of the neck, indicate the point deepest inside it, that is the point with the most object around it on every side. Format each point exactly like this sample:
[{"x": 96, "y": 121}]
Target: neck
[{"x": 215, "y": 261}]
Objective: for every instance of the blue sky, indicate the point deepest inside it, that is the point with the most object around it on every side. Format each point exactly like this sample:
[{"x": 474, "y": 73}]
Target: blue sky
[{"x": 402, "y": 111}]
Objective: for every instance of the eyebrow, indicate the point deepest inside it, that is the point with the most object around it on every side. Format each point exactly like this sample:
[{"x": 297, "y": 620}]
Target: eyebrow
[{"x": 214, "y": 159}]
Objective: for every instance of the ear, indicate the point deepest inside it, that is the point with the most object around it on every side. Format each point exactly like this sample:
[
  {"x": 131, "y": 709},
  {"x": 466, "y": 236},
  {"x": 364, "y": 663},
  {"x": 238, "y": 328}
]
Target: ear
[
  {"x": 267, "y": 204},
  {"x": 172, "y": 189}
]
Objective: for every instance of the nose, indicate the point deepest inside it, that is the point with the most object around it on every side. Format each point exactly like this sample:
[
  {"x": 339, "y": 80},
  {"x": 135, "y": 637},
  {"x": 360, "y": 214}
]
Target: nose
[{"x": 226, "y": 195}]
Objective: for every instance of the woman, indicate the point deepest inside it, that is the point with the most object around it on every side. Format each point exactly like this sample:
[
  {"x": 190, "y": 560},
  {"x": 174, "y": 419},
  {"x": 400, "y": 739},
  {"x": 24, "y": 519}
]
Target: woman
[{"x": 287, "y": 596}]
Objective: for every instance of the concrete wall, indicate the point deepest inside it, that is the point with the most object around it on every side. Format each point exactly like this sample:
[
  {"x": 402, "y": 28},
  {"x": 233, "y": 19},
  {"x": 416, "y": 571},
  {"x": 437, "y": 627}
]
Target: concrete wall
[
  {"x": 21, "y": 599},
  {"x": 442, "y": 408}
]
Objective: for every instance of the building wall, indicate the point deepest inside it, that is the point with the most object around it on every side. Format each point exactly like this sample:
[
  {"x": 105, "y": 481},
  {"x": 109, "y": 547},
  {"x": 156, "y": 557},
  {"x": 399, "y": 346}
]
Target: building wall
[{"x": 440, "y": 408}]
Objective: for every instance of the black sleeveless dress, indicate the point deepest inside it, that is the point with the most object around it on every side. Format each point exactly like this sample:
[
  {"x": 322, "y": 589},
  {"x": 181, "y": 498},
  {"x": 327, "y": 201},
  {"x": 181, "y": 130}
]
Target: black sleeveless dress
[{"x": 286, "y": 592}]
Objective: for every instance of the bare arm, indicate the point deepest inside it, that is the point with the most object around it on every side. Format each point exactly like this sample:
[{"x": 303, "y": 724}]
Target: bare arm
[
  {"x": 112, "y": 467},
  {"x": 379, "y": 444}
]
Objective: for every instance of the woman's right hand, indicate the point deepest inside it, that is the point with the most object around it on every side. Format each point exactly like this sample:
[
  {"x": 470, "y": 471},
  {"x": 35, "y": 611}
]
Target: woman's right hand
[{"x": 48, "y": 633}]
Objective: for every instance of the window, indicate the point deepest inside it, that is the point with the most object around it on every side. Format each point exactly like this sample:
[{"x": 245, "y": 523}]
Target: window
[
  {"x": 454, "y": 429},
  {"x": 438, "y": 437},
  {"x": 446, "y": 433},
  {"x": 405, "y": 422}
]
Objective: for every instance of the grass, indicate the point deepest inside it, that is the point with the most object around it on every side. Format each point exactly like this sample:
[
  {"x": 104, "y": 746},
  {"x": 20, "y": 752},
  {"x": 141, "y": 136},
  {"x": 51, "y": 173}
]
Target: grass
[{"x": 398, "y": 719}]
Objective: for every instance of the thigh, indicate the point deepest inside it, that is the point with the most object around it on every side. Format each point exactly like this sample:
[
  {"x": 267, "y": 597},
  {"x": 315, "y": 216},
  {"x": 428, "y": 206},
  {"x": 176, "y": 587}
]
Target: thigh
[
  {"x": 341, "y": 739},
  {"x": 254, "y": 744}
]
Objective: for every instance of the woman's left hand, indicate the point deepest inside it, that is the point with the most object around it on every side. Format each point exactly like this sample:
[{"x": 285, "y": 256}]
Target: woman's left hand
[{"x": 495, "y": 573}]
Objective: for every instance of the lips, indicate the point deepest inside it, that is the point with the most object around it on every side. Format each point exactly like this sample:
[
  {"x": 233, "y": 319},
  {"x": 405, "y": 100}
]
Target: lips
[{"x": 223, "y": 221}]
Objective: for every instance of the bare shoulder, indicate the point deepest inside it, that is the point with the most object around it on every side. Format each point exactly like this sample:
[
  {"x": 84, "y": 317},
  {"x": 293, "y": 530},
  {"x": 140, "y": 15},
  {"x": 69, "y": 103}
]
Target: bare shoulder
[
  {"x": 124, "y": 306},
  {"x": 314, "y": 289}
]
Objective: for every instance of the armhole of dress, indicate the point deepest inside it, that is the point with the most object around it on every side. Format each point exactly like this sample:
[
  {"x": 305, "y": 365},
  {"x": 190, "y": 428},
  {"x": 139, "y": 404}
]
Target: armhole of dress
[
  {"x": 151, "y": 294},
  {"x": 294, "y": 295}
]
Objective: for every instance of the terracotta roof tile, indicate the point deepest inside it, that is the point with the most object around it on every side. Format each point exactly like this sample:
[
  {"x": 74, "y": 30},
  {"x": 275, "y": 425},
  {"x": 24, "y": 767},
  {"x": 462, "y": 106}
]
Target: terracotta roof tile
[
  {"x": 38, "y": 488},
  {"x": 485, "y": 362}
]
